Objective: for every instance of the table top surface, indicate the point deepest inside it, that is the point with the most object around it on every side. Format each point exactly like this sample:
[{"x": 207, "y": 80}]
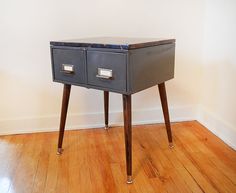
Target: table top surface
[{"x": 125, "y": 43}]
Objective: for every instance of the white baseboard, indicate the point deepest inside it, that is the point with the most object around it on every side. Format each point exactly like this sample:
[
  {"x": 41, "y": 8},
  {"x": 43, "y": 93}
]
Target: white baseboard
[
  {"x": 216, "y": 125},
  {"x": 92, "y": 120},
  {"x": 144, "y": 116}
]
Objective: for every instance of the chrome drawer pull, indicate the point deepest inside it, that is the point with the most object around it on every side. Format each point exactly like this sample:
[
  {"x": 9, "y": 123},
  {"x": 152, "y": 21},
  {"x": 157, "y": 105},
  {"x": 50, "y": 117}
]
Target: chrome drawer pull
[
  {"x": 104, "y": 73},
  {"x": 67, "y": 68}
]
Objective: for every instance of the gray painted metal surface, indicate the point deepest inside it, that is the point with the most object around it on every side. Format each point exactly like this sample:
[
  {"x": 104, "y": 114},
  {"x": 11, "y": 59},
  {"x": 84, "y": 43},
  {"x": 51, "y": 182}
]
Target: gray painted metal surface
[
  {"x": 132, "y": 70},
  {"x": 73, "y": 57},
  {"x": 115, "y": 62}
]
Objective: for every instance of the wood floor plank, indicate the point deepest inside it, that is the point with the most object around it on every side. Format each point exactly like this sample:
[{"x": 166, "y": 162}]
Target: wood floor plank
[
  {"x": 8, "y": 155},
  {"x": 104, "y": 161},
  {"x": 224, "y": 166},
  {"x": 188, "y": 184},
  {"x": 207, "y": 168},
  {"x": 27, "y": 165},
  {"x": 120, "y": 180},
  {"x": 86, "y": 182},
  {"x": 73, "y": 160},
  {"x": 52, "y": 169},
  {"x": 42, "y": 168},
  {"x": 221, "y": 151},
  {"x": 183, "y": 164},
  {"x": 157, "y": 164},
  {"x": 94, "y": 161}
]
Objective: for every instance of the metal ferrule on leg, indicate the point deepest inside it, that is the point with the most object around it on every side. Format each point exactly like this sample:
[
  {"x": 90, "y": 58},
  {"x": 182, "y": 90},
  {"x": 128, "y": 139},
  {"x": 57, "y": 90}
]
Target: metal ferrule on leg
[
  {"x": 59, "y": 151},
  {"x": 171, "y": 145},
  {"x": 129, "y": 180}
]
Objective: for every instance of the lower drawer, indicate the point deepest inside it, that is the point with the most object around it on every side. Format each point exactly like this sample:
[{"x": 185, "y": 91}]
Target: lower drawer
[{"x": 107, "y": 70}]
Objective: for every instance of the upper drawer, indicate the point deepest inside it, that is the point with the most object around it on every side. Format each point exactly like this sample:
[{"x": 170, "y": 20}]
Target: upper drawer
[
  {"x": 107, "y": 70},
  {"x": 69, "y": 65}
]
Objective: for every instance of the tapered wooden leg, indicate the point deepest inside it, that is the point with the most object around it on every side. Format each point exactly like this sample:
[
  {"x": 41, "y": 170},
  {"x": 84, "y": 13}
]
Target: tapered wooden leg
[
  {"x": 106, "y": 107},
  {"x": 64, "y": 107},
  {"x": 164, "y": 103},
  {"x": 128, "y": 135}
]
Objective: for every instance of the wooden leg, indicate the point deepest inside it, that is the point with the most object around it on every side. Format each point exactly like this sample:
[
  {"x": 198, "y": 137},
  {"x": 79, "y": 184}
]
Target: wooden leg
[
  {"x": 106, "y": 107},
  {"x": 128, "y": 135},
  {"x": 64, "y": 107},
  {"x": 164, "y": 103}
]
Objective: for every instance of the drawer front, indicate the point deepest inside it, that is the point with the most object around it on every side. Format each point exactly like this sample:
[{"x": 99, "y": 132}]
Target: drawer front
[
  {"x": 107, "y": 70},
  {"x": 69, "y": 65}
]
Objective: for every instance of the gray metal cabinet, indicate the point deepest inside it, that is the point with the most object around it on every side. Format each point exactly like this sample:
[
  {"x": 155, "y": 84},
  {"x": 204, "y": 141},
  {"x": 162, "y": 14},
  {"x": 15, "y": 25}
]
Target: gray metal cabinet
[
  {"x": 122, "y": 65},
  {"x": 131, "y": 70}
]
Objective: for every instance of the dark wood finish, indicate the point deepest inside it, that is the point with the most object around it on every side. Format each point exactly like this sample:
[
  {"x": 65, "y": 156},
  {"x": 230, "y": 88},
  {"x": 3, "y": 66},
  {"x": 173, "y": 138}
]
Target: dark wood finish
[
  {"x": 164, "y": 103},
  {"x": 64, "y": 107},
  {"x": 106, "y": 108},
  {"x": 128, "y": 132},
  {"x": 114, "y": 42}
]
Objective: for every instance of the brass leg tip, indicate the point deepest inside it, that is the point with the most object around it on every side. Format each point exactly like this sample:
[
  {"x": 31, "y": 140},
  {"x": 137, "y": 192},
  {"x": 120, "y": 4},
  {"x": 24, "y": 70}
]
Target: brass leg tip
[
  {"x": 106, "y": 127},
  {"x": 171, "y": 145},
  {"x": 129, "y": 180},
  {"x": 59, "y": 151}
]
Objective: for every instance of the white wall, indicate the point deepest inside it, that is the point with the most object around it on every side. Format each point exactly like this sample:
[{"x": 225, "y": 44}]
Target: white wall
[
  {"x": 205, "y": 61},
  {"x": 219, "y": 69},
  {"x": 29, "y": 98}
]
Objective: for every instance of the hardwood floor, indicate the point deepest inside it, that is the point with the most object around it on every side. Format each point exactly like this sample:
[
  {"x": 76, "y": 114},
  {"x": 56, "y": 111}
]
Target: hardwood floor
[{"x": 93, "y": 161}]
